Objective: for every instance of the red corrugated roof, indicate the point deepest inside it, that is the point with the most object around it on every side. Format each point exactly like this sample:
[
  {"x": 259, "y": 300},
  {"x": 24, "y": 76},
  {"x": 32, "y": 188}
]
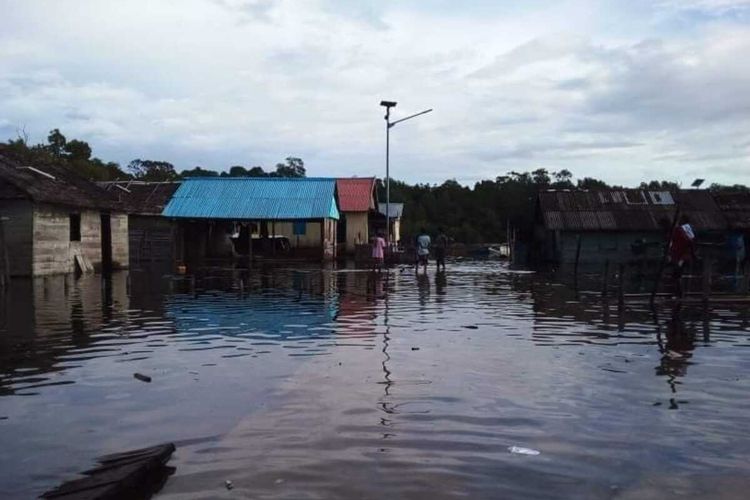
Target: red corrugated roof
[{"x": 356, "y": 194}]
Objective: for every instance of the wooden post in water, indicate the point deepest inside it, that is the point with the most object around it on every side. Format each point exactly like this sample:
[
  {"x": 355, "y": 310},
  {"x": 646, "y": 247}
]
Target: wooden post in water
[
  {"x": 575, "y": 266},
  {"x": 621, "y": 283},
  {"x": 4, "y": 264},
  {"x": 706, "y": 291},
  {"x": 605, "y": 278}
]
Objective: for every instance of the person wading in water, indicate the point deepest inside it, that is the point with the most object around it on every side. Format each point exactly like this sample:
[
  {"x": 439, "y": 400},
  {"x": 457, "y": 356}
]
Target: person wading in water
[
  {"x": 378, "y": 252},
  {"x": 441, "y": 247},
  {"x": 423, "y": 249}
]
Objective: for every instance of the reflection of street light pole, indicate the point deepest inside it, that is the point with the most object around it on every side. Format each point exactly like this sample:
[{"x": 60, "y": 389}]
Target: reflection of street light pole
[{"x": 388, "y": 124}]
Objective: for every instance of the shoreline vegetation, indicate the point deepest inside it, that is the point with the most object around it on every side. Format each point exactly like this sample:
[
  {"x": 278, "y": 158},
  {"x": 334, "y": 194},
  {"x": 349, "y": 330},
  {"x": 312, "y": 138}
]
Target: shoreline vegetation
[{"x": 469, "y": 214}]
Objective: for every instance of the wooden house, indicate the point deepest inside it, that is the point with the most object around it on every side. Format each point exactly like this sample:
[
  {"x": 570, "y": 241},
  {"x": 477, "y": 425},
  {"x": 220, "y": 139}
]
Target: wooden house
[
  {"x": 151, "y": 236},
  {"x": 617, "y": 225},
  {"x": 357, "y": 202},
  {"x": 396, "y": 213},
  {"x": 55, "y": 222},
  {"x": 220, "y": 217}
]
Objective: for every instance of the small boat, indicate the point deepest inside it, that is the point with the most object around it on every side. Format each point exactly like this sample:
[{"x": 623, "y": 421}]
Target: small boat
[{"x": 130, "y": 475}]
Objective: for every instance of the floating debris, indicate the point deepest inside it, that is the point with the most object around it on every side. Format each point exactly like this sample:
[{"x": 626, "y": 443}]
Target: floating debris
[
  {"x": 471, "y": 327},
  {"x": 519, "y": 450},
  {"x": 415, "y": 348},
  {"x": 228, "y": 484},
  {"x": 142, "y": 377}
]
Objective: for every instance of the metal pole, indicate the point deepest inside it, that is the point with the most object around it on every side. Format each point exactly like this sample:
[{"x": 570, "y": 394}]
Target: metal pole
[{"x": 387, "y": 176}]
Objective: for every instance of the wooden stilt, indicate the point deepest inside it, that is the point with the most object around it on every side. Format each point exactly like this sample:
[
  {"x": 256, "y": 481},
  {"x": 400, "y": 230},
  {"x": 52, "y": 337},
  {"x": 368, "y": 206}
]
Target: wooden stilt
[
  {"x": 4, "y": 263},
  {"x": 575, "y": 266},
  {"x": 706, "y": 289},
  {"x": 605, "y": 278}
]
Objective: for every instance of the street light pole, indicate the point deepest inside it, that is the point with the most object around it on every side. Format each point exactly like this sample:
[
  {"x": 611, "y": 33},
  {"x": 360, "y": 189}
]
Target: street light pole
[{"x": 388, "y": 124}]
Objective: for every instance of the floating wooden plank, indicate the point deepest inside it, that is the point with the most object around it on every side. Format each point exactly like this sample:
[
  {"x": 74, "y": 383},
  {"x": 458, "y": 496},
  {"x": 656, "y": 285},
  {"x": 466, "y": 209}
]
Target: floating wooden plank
[
  {"x": 84, "y": 264},
  {"x": 132, "y": 474}
]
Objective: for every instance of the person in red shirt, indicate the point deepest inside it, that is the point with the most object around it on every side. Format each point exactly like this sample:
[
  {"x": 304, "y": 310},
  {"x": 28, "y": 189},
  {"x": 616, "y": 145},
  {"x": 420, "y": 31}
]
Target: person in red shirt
[{"x": 681, "y": 249}]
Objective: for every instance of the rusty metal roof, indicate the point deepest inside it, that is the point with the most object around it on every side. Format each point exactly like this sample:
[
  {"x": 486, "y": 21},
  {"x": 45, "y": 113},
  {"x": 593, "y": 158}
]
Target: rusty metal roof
[
  {"x": 627, "y": 209},
  {"x": 735, "y": 207},
  {"x": 140, "y": 197},
  {"x": 54, "y": 184}
]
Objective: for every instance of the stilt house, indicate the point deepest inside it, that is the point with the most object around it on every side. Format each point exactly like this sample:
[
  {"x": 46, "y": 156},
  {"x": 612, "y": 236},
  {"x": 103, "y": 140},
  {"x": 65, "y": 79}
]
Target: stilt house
[{"x": 53, "y": 221}]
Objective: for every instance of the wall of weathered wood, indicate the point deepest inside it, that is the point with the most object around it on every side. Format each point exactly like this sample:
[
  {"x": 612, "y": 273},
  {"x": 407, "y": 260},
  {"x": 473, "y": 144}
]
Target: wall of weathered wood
[
  {"x": 598, "y": 247},
  {"x": 18, "y": 235},
  {"x": 151, "y": 239},
  {"x": 54, "y": 253},
  {"x": 120, "y": 241},
  {"x": 357, "y": 229}
]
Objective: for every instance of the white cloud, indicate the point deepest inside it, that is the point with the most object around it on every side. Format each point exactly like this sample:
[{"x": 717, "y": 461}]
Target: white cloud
[{"x": 222, "y": 82}]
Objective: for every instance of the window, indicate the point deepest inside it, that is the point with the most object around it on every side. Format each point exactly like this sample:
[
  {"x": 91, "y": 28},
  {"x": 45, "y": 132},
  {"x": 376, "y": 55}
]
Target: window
[
  {"x": 75, "y": 227},
  {"x": 661, "y": 197},
  {"x": 300, "y": 228},
  {"x": 635, "y": 197}
]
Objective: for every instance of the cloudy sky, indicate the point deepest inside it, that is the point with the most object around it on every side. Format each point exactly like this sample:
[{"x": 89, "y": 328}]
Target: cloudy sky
[{"x": 620, "y": 90}]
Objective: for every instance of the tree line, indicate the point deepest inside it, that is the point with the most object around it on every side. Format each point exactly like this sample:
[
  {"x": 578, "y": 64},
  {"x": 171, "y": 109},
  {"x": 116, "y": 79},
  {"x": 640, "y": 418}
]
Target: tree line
[
  {"x": 471, "y": 214},
  {"x": 76, "y": 155}
]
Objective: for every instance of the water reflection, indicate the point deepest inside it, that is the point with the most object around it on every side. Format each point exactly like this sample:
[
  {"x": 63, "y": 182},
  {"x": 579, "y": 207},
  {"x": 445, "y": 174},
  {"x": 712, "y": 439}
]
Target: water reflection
[{"x": 288, "y": 380}]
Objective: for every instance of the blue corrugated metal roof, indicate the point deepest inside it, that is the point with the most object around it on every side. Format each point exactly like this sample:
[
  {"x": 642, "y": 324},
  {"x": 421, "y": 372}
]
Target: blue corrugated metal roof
[{"x": 254, "y": 198}]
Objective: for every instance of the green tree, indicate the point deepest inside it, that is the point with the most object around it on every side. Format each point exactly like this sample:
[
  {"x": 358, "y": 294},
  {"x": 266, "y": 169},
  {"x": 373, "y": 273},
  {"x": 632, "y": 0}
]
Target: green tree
[
  {"x": 257, "y": 172},
  {"x": 590, "y": 183},
  {"x": 151, "y": 170},
  {"x": 294, "y": 167},
  {"x": 76, "y": 150},
  {"x": 56, "y": 142},
  {"x": 198, "y": 172}
]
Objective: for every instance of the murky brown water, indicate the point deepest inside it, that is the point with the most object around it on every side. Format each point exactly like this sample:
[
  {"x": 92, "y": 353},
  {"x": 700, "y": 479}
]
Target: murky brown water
[{"x": 319, "y": 384}]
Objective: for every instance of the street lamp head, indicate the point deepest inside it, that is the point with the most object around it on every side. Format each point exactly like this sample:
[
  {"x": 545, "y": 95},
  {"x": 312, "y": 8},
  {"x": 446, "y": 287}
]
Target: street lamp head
[{"x": 388, "y": 104}]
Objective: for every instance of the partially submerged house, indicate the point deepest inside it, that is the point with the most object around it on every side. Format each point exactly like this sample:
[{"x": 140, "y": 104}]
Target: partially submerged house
[
  {"x": 220, "y": 217},
  {"x": 357, "y": 202},
  {"x": 54, "y": 222},
  {"x": 735, "y": 206},
  {"x": 617, "y": 225},
  {"x": 151, "y": 235},
  {"x": 396, "y": 211}
]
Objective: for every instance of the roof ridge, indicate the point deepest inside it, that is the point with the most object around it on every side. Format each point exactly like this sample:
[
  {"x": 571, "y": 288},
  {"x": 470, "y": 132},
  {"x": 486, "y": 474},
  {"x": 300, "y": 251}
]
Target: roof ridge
[{"x": 245, "y": 178}]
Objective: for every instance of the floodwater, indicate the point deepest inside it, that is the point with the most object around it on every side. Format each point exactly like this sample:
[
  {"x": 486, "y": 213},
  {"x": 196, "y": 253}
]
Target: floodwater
[{"x": 321, "y": 384}]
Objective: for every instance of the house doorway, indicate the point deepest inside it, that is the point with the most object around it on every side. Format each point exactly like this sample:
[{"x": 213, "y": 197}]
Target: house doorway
[
  {"x": 106, "y": 237},
  {"x": 341, "y": 230}
]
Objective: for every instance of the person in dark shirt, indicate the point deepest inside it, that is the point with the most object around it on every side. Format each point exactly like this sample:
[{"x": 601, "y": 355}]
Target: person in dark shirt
[{"x": 441, "y": 247}]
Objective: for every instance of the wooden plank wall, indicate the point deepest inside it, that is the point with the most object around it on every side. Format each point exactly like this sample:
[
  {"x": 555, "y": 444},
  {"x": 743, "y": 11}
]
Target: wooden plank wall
[
  {"x": 120, "y": 241},
  {"x": 53, "y": 251},
  {"x": 357, "y": 230},
  {"x": 151, "y": 239},
  {"x": 18, "y": 232},
  {"x": 598, "y": 247}
]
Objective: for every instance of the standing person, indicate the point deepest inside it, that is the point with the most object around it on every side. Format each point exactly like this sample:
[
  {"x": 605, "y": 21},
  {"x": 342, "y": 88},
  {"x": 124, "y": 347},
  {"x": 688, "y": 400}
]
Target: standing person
[
  {"x": 441, "y": 247},
  {"x": 378, "y": 251},
  {"x": 423, "y": 249},
  {"x": 681, "y": 249}
]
